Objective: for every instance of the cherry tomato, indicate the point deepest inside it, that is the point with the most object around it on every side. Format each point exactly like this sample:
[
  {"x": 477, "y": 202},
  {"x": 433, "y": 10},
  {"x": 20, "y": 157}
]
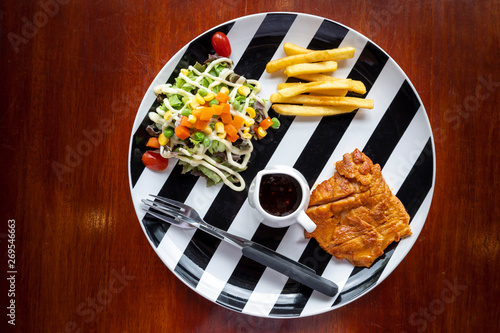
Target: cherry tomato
[
  {"x": 221, "y": 44},
  {"x": 154, "y": 161}
]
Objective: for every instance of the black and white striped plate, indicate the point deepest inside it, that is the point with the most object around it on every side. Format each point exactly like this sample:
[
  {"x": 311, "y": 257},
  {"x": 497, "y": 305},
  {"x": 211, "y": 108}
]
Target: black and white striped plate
[{"x": 396, "y": 134}]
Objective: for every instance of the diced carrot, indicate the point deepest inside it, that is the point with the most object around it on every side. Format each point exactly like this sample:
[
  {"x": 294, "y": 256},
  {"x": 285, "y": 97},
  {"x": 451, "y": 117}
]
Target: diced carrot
[
  {"x": 196, "y": 112},
  {"x": 221, "y": 97},
  {"x": 182, "y": 132},
  {"x": 185, "y": 122},
  {"x": 238, "y": 122},
  {"x": 266, "y": 123},
  {"x": 217, "y": 109},
  {"x": 153, "y": 143},
  {"x": 230, "y": 130},
  {"x": 201, "y": 124},
  {"x": 225, "y": 108},
  {"x": 226, "y": 118},
  {"x": 256, "y": 130},
  {"x": 231, "y": 137},
  {"x": 206, "y": 113}
]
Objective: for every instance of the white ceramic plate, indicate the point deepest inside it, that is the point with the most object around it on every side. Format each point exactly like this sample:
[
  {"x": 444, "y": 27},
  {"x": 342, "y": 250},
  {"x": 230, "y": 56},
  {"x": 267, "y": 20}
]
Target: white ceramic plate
[{"x": 396, "y": 134}]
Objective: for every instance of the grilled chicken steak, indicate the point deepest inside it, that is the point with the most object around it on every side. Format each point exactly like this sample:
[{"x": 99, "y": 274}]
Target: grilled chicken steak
[{"x": 356, "y": 214}]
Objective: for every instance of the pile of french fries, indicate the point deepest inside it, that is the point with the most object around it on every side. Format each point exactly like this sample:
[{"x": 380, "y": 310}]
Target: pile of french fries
[{"x": 321, "y": 94}]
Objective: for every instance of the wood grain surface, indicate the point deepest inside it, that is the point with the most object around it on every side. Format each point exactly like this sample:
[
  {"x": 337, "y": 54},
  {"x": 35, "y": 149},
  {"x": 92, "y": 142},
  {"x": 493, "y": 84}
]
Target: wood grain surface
[{"x": 84, "y": 264}]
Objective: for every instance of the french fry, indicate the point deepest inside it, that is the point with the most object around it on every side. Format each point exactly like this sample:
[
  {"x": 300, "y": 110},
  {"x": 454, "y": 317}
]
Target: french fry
[
  {"x": 313, "y": 56},
  {"x": 291, "y": 84},
  {"x": 292, "y": 49},
  {"x": 327, "y": 92},
  {"x": 333, "y": 92},
  {"x": 311, "y": 111},
  {"x": 287, "y": 85},
  {"x": 301, "y": 88},
  {"x": 315, "y": 77},
  {"x": 311, "y": 68},
  {"x": 357, "y": 87},
  {"x": 322, "y": 95},
  {"x": 324, "y": 100}
]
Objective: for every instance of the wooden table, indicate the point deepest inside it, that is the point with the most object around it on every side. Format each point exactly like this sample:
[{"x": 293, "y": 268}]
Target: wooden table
[{"x": 82, "y": 261}]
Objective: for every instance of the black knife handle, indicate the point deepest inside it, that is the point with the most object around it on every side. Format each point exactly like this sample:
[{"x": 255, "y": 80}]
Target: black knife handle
[{"x": 293, "y": 269}]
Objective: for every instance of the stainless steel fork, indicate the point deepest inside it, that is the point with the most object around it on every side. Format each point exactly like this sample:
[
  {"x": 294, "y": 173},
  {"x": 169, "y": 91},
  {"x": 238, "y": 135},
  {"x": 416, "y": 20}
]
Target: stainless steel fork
[{"x": 184, "y": 216}]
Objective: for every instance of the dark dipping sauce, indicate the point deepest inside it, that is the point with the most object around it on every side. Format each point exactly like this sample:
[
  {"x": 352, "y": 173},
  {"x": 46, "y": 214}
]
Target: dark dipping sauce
[{"x": 279, "y": 194}]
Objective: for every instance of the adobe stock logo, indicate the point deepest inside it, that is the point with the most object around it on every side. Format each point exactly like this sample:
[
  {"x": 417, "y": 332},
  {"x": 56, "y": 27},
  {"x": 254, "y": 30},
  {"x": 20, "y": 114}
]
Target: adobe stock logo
[
  {"x": 456, "y": 116},
  {"x": 121, "y": 108},
  {"x": 30, "y": 28},
  {"x": 437, "y": 306},
  {"x": 93, "y": 306}
]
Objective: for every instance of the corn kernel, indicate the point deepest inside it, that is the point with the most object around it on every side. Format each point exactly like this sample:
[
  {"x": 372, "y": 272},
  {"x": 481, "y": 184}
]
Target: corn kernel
[
  {"x": 222, "y": 135},
  {"x": 185, "y": 71},
  {"x": 249, "y": 122},
  {"x": 207, "y": 130},
  {"x": 244, "y": 90},
  {"x": 199, "y": 99},
  {"x": 162, "y": 139},
  {"x": 246, "y": 130},
  {"x": 167, "y": 115},
  {"x": 224, "y": 90},
  {"x": 246, "y": 136},
  {"x": 209, "y": 97},
  {"x": 194, "y": 103},
  {"x": 261, "y": 132},
  {"x": 219, "y": 127},
  {"x": 251, "y": 112},
  {"x": 192, "y": 119}
]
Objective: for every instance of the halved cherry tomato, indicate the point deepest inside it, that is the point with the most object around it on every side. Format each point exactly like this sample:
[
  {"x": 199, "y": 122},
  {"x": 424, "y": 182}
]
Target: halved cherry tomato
[
  {"x": 154, "y": 161},
  {"x": 221, "y": 44}
]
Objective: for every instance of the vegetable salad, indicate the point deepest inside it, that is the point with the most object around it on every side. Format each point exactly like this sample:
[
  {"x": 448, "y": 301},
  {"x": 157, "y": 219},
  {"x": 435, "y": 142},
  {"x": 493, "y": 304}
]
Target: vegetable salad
[{"x": 207, "y": 120}]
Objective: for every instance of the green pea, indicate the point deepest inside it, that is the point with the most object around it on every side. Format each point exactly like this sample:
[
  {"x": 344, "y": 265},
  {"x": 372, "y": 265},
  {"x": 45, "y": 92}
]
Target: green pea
[
  {"x": 186, "y": 112},
  {"x": 202, "y": 92},
  {"x": 207, "y": 142},
  {"x": 213, "y": 102},
  {"x": 199, "y": 136},
  {"x": 276, "y": 123},
  {"x": 236, "y": 105},
  {"x": 168, "y": 132}
]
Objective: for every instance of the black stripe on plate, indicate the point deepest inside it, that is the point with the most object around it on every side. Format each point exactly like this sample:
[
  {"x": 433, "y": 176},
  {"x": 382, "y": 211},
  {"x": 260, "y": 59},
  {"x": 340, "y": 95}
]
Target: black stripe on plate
[
  {"x": 247, "y": 272},
  {"x": 369, "y": 65},
  {"x": 321, "y": 145},
  {"x": 228, "y": 202},
  {"x": 329, "y": 35},
  {"x": 264, "y": 44},
  {"x": 412, "y": 194},
  {"x": 316, "y": 258},
  {"x": 177, "y": 187},
  {"x": 419, "y": 181},
  {"x": 393, "y": 124},
  {"x": 197, "y": 50}
]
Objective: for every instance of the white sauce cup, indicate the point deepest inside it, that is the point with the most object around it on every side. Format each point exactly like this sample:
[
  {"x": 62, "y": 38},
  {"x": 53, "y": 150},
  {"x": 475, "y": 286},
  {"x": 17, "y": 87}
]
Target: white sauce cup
[{"x": 298, "y": 215}]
